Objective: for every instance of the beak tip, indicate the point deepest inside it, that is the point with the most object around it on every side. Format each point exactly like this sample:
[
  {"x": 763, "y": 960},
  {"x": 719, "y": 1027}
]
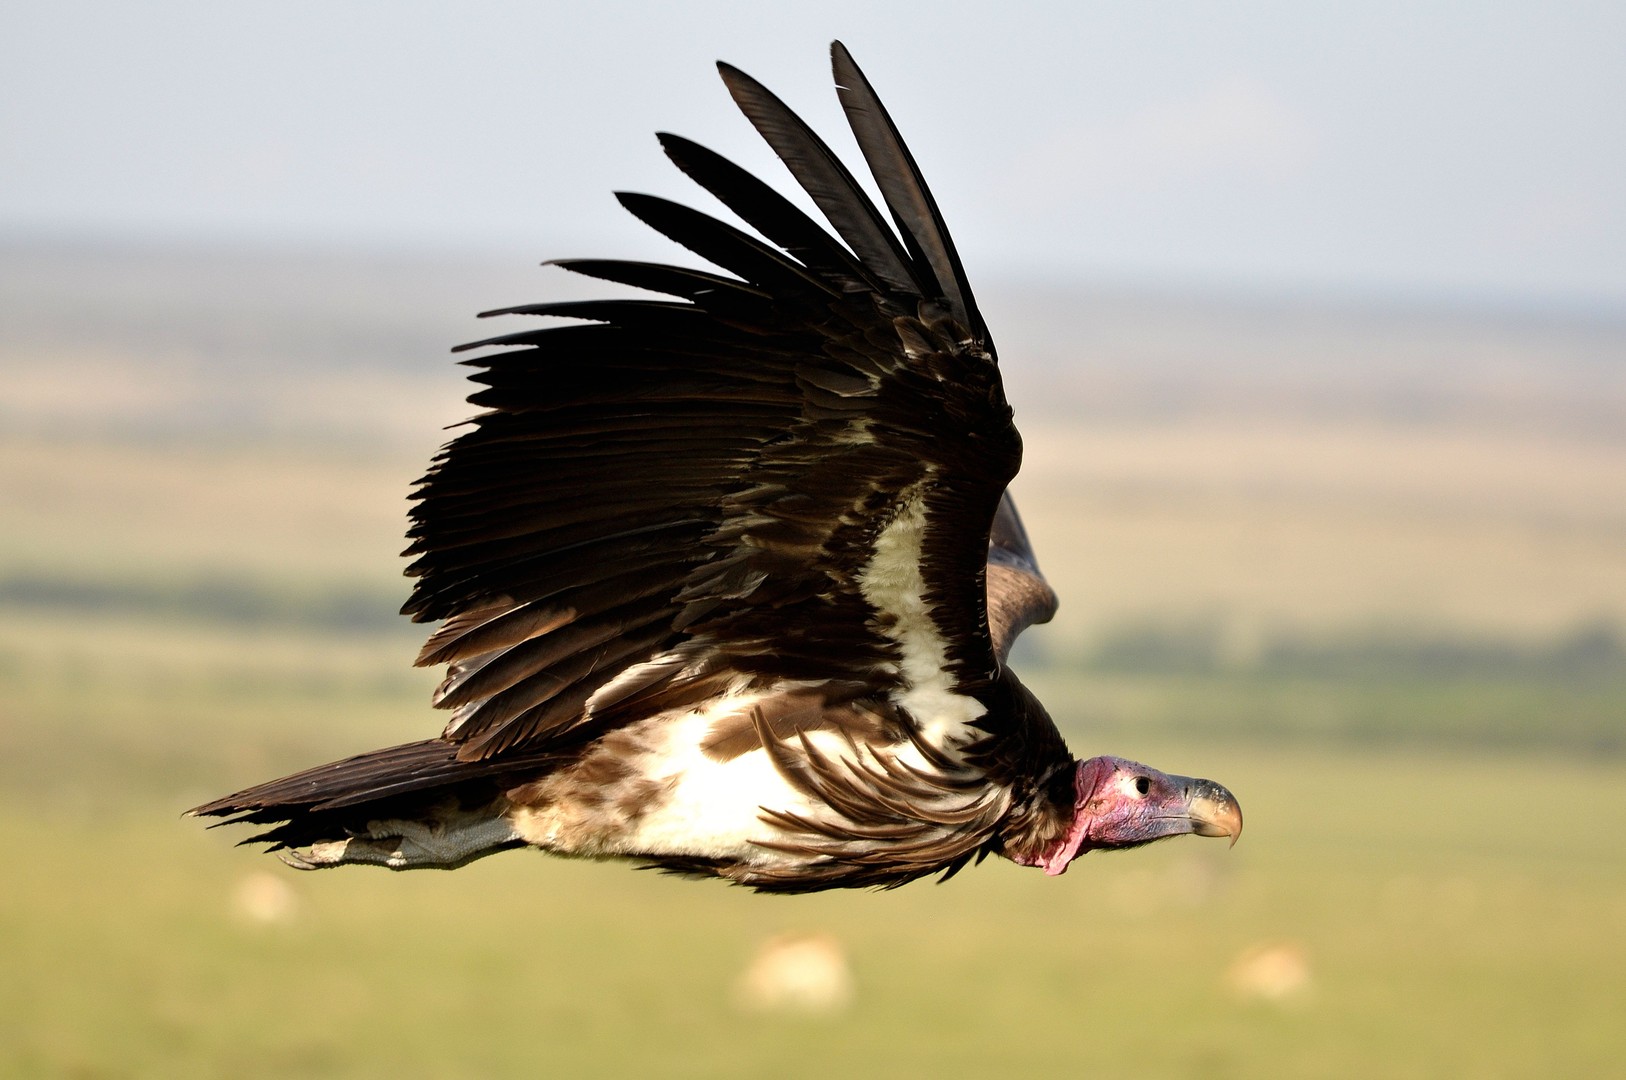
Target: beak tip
[{"x": 1213, "y": 811}]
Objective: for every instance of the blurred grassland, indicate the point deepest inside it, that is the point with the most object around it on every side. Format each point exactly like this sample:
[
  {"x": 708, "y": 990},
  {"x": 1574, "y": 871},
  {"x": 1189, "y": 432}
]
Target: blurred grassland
[
  {"x": 1448, "y": 937},
  {"x": 1395, "y": 632}
]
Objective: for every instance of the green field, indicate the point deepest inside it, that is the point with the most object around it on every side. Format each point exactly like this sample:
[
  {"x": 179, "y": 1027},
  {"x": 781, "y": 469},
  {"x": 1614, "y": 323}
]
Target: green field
[
  {"x": 1456, "y": 912},
  {"x": 1457, "y": 915},
  {"x": 1398, "y": 636}
]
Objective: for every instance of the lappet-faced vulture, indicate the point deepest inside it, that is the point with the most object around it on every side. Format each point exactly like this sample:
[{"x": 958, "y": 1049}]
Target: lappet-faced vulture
[{"x": 725, "y": 578}]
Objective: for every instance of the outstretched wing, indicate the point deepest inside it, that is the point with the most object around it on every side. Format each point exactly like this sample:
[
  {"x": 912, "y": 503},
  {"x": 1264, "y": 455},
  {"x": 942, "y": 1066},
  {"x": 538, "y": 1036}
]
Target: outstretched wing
[
  {"x": 1018, "y": 594},
  {"x": 782, "y": 474}
]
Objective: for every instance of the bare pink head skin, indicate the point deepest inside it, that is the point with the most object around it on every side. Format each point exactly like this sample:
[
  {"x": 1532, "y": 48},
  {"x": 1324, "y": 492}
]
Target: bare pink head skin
[{"x": 1121, "y": 804}]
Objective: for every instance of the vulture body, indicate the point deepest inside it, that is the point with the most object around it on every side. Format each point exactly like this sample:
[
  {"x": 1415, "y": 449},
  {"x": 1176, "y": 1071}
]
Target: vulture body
[{"x": 726, "y": 578}]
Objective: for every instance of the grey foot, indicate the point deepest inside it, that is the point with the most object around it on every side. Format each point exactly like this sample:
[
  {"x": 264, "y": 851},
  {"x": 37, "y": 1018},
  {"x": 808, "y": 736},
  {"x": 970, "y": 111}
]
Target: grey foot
[{"x": 408, "y": 845}]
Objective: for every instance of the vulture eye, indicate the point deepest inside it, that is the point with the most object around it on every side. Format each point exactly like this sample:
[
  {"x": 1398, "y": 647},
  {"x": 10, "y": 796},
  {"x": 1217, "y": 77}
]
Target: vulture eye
[{"x": 1142, "y": 784}]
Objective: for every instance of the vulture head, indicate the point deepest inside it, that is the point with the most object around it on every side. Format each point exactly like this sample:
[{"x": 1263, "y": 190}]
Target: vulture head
[{"x": 1118, "y": 803}]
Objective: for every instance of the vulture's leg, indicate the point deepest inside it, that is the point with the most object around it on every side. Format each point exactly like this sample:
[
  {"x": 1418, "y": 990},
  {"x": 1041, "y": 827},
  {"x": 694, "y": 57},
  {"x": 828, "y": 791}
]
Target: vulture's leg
[{"x": 411, "y": 845}]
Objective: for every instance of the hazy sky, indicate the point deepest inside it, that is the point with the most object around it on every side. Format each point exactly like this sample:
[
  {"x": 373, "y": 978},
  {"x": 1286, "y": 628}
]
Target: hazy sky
[{"x": 1468, "y": 148}]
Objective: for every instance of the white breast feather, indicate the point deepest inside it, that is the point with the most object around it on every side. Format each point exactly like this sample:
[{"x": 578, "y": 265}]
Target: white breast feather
[
  {"x": 704, "y": 807},
  {"x": 714, "y": 807}
]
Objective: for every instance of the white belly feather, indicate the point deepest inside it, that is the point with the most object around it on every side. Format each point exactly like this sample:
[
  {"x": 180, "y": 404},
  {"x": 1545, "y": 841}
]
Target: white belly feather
[{"x": 691, "y": 803}]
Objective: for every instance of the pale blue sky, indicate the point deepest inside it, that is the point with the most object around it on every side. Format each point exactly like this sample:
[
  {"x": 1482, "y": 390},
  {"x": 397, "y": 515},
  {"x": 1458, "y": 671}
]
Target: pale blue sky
[{"x": 1455, "y": 148}]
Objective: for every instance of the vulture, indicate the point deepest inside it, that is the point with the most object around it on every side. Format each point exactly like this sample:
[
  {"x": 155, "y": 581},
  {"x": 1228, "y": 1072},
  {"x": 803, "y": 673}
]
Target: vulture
[{"x": 725, "y": 575}]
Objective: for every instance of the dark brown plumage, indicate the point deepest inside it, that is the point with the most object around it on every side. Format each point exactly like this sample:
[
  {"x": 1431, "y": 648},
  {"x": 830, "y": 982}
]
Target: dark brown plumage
[{"x": 726, "y": 581}]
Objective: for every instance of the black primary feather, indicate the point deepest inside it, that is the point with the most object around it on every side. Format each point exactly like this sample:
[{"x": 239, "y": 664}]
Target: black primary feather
[{"x": 904, "y": 188}]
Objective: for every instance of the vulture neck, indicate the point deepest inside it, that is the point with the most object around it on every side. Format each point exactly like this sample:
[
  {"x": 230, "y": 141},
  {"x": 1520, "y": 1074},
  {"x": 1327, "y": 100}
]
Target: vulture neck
[{"x": 1039, "y": 829}]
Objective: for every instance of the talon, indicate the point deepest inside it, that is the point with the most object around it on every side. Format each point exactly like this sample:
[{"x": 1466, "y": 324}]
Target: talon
[
  {"x": 297, "y": 859},
  {"x": 317, "y": 856}
]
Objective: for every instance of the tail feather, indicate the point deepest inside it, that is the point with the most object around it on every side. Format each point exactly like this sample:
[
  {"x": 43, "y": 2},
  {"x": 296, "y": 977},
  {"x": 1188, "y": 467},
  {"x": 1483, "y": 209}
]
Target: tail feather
[
  {"x": 377, "y": 774},
  {"x": 413, "y": 781}
]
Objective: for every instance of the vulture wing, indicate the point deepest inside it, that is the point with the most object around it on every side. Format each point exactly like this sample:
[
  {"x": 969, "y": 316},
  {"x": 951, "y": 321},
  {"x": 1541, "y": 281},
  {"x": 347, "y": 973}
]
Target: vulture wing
[
  {"x": 784, "y": 475},
  {"x": 1018, "y": 595}
]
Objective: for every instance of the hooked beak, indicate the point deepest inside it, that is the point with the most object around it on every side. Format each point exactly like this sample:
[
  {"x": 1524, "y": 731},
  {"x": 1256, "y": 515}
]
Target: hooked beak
[{"x": 1211, "y": 809}]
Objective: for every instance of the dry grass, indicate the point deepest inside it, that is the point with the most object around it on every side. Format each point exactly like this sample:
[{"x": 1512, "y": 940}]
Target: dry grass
[
  {"x": 1328, "y": 526},
  {"x": 104, "y": 508}
]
